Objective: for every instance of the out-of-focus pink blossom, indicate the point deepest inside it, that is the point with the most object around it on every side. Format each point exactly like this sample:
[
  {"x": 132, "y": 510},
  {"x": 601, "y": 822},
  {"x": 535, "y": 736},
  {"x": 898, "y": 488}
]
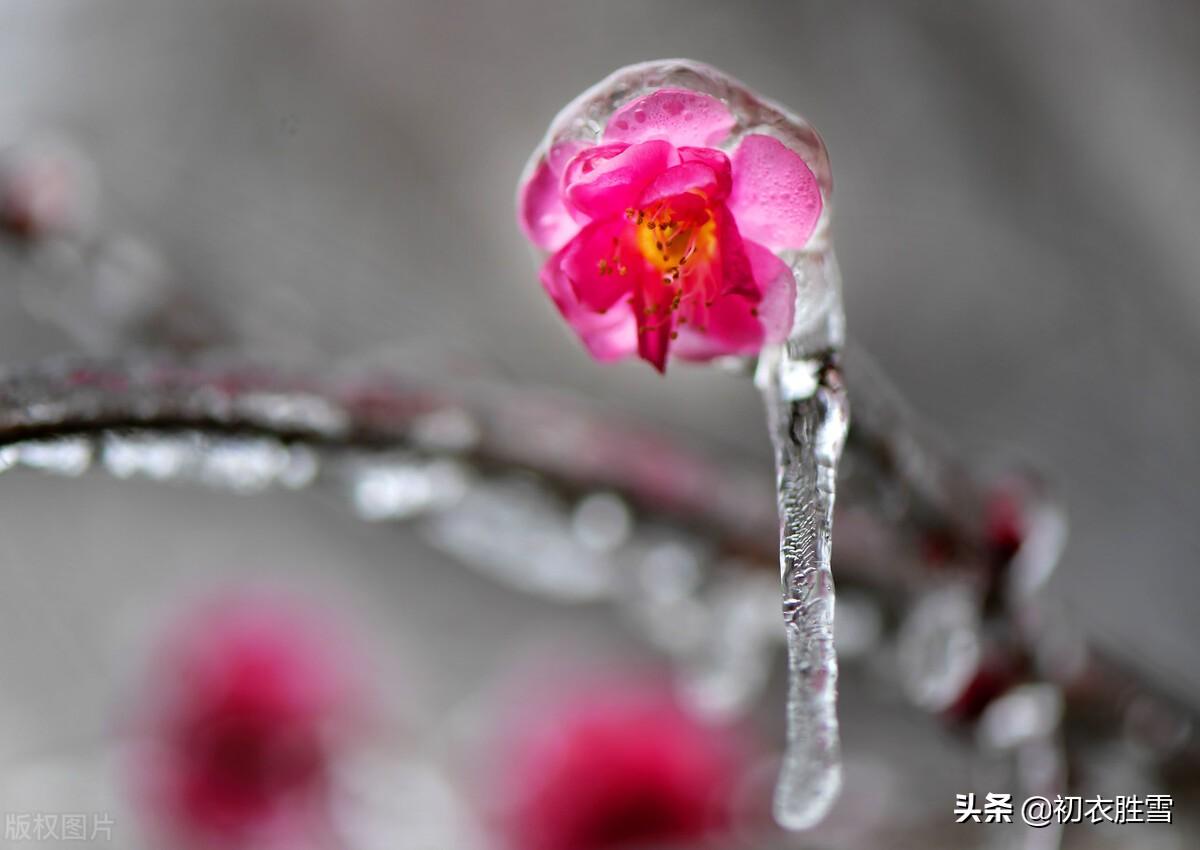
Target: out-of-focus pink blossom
[
  {"x": 44, "y": 190},
  {"x": 662, "y": 242},
  {"x": 617, "y": 765},
  {"x": 245, "y": 706}
]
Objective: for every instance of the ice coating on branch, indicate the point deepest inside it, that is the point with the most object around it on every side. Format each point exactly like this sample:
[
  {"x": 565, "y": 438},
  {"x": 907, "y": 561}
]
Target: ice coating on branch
[{"x": 680, "y": 215}]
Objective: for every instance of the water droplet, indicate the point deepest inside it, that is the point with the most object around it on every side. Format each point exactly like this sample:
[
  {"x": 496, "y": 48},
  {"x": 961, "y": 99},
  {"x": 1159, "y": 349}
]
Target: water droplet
[
  {"x": 517, "y": 533},
  {"x": 400, "y": 488},
  {"x": 859, "y": 625},
  {"x": 450, "y": 430},
  {"x": 292, "y": 411},
  {"x": 250, "y": 465},
  {"x": 940, "y": 647},
  {"x": 153, "y": 456},
  {"x": 602, "y": 522},
  {"x": 730, "y": 666},
  {"x": 1026, "y": 713},
  {"x": 69, "y": 456}
]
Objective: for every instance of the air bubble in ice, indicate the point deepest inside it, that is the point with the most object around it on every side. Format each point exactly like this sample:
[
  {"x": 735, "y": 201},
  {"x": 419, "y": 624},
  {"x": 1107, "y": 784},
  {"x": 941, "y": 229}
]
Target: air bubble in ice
[{"x": 940, "y": 647}]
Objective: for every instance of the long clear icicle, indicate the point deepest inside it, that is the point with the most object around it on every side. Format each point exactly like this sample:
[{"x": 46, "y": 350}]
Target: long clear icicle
[{"x": 808, "y": 417}]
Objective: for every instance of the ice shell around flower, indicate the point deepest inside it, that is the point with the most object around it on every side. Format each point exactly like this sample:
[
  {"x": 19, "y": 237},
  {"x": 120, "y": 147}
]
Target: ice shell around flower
[
  {"x": 775, "y": 197},
  {"x": 682, "y": 117},
  {"x": 662, "y": 243}
]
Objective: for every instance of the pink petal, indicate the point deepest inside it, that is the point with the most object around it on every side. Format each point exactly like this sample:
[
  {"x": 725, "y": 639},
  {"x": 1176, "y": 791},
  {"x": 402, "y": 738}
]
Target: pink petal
[
  {"x": 688, "y": 177},
  {"x": 777, "y": 291},
  {"x": 607, "y": 336},
  {"x": 681, "y": 117},
  {"x": 720, "y": 313},
  {"x": 542, "y": 212},
  {"x": 242, "y": 715},
  {"x": 736, "y": 274},
  {"x": 607, "y": 179},
  {"x": 731, "y": 329},
  {"x": 775, "y": 198},
  {"x": 730, "y": 323},
  {"x": 618, "y": 764},
  {"x": 656, "y": 322},
  {"x": 597, "y": 265},
  {"x": 717, "y": 161}
]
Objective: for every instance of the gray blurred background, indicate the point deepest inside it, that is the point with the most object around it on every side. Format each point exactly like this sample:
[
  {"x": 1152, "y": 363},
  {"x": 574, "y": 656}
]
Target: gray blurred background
[{"x": 1017, "y": 215}]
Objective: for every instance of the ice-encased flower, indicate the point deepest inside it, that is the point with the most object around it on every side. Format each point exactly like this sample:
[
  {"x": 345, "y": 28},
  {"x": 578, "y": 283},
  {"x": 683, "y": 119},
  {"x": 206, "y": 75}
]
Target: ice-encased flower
[{"x": 663, "y": 243}]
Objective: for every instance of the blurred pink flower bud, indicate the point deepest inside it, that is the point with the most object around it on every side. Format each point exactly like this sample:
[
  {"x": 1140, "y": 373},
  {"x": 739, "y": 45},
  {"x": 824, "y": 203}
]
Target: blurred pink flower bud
[
  {"x": 617, "y": 765},
  {"x": 247, "y": 702},
  {"x": 45, "y": 190}
]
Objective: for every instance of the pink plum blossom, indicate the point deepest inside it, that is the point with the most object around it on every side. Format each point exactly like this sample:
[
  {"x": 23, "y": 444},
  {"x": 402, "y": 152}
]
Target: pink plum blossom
[
  {"x": 247, "y": 701},
  {"x": 44, "y": 192},
  {"x": 618, "y": 764},
  {"x": 662, "y": 243}
]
